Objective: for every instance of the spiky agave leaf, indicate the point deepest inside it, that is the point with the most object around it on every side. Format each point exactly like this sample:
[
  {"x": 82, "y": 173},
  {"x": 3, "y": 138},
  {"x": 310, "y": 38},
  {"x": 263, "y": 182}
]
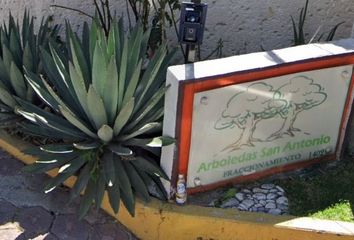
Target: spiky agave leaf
[
  {"x": 115, "y": 109},
  {"x": 19, "y": 50}
]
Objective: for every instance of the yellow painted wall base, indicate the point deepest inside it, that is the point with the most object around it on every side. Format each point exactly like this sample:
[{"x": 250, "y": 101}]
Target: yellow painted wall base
[{"x": 164, "y": 221}]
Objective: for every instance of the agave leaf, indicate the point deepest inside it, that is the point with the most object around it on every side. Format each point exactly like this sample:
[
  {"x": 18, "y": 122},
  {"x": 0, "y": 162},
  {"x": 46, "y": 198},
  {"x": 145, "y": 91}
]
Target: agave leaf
[
  {"x": 15, "y": 46},
  {"x": 74, "y": 166},
  {"x": 144, "y": 43},
  {"x": 76, "y": 122},
  {"x": 120, "y": 150},
  {"x": 92, "y": 39},
  {"x": 123, "y": 72},
  {"x": 151, "y": 142},
  {"x": 41, "y": 131},
  {"x": 52, "y": 163},
  {"x": 129, "y": 93},
  {"x": 86, "y": 145},
  {"x": 111, "y": 43},
  {"x": 17, "y": 81},
  {"x": 150, "y": 75},
  {"x": 333, "y": 32},
  {"x": 123, "y": 116},
  {"x": 57, "y": 148},
  {"x": 136, "y": 181},
  {"x": 81, "y": 181},
  {"x": 126, "y": 192},
  {"x": 54, "y": 75},
  {"x": 99, "y": 70},
  {"x": 151, "y": 183},
  {"x": 146, "y": 128},
  {"x": 4, "y": 76},
  {"x": 114, "y": 195},
  {"x": 74, "y": 103},
  {"x": 7, "y": 57},
  {"x": 43, "y": 94},
  {"x": 41, "y": 121},
  {"x": 105, "y": 133},
  {"x": 110, "y": 96},
  {"x": 27, "y": 58},
  {"x": 60, "y": 67},
  {"x": 87, "y": 199},
  {"x": 108, "y": 167},
  {"x": 100, "y": 189},
  {"x": 79, "y": 59},
  {"x": 96, "y": 108},
  {"x": 7, "y": 99},
  {"x": 149, "y": 107},
  {"x": 134, "y": 51},
  {"x": 149, "y": 167},
  {"x": 79, "y": 87},
  {"x": 86, "y": 43},
  {"x": 31, "y": 108}
]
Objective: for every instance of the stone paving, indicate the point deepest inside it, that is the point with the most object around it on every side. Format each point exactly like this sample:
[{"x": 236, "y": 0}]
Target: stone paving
[{"x": 26, "y": 212}]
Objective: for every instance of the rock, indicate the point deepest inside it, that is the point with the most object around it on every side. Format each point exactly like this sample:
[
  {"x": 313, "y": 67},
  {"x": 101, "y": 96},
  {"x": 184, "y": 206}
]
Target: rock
[
  {"x": 259, "y": 190},
  {"x": 270, "y": 205},
  {"x": 274, "y": 211},
  {"x": 240, "y": 196},
  {"x": 271, "y": 196},
  {"x": 247, "y": 203},
  {"x": 242, "y": 207},
  {"x": 232, "y": 202},
  {"x": 246, "y": 190},
  {"x": 281, "y": 193},
  {"x": 270, "y": 201},
  {"x": 263, "y": 202},
  {"x": 259, "y": 196},
  {"x": 283, "y": 200},
  {"x": 258, "y": 205},
  {"x": 283, "y": 207},
  {"x": 274, "y": 190},
  {"x": 268, "y": 186},
  {"x": 280, "y": 189}
]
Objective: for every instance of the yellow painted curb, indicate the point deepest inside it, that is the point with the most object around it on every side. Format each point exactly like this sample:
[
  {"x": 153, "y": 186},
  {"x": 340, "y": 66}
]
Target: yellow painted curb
[{"x": 163, "y": 221}]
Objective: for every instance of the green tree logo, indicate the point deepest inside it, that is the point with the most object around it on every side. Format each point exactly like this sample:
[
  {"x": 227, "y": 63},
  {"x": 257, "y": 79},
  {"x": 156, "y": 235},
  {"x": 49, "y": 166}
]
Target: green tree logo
[
  {"x": 246, "y": 109},
  {"x": 260, "y": 101},
  {"x": 301, "y": 94}
]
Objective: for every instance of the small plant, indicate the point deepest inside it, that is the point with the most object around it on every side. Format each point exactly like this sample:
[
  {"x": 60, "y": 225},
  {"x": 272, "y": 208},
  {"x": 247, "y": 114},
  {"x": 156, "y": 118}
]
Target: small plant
[
  {"x": 19, "y": 50},
  {"x": 299, "y": 32},
  {"x": 107, "y": 110}
]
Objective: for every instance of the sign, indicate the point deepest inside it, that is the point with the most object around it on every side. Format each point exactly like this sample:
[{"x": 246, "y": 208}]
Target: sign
[{"x": 256, "y": 121}]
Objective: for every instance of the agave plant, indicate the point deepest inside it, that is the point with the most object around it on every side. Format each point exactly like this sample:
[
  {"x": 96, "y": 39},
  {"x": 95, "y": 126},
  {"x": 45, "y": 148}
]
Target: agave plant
[
  {"x": 19, "y": 49},
  {"x": 108, "y": 111},
  {"x": 299, "y": 32}
]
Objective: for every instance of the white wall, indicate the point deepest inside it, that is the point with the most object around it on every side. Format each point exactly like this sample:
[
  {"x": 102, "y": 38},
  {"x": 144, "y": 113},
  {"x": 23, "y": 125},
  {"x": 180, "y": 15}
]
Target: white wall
[{"x": 244, "y": 25}]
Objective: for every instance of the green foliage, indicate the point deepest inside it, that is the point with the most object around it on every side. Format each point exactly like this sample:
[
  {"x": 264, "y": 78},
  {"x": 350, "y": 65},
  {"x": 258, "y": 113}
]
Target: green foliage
[
  {"x": 323, "y": 191},
  {"x": 299, "y": 29},
  {"x": 108, "y": 109},
  {"x": 19, "y": 50}
]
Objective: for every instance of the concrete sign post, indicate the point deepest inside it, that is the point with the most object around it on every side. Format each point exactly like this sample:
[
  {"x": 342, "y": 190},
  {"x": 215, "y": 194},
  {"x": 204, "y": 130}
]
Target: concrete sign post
[{"x": 249, "y": 116}]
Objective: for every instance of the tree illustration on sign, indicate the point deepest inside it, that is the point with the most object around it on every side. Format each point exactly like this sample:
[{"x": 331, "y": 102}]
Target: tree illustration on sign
[
  {"x": 301, "y": 94},
  {"x": 246, "y": 109}
]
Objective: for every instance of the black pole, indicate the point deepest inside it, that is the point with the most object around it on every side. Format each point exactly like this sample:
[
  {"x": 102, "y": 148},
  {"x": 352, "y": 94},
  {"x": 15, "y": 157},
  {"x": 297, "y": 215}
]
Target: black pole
[{"x": 191, "y": 48}]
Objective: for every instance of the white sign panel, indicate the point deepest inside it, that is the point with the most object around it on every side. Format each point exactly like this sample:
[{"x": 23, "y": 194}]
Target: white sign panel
[
  {"x": 254, "y": 115},
  {"x": 246, "y": 128}
]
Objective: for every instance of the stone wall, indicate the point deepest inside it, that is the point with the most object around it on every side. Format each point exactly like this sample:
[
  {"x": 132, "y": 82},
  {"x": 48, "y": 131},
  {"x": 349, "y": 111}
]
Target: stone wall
[{"x": 244, "y": 25}]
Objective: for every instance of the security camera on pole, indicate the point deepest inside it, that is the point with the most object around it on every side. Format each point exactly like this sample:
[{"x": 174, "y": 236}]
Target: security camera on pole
[{"x": 191, "y": 30}]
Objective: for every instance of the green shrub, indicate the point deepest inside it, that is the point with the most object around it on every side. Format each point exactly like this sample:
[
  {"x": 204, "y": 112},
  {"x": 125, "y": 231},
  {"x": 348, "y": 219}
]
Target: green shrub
[
  {"x": 19, "y": 49},
  {"x": 108, "y": 112}
]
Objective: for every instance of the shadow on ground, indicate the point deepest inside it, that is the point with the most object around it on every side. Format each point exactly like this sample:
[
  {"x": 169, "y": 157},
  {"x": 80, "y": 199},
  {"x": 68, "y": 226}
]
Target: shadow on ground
[{"x": 26, "y": 212}]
